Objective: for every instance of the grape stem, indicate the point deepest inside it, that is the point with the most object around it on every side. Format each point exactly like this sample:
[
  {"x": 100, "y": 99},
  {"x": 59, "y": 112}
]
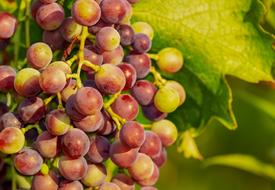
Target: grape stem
[
  {"x": 29, "y": 127},
  {"x": 111, "y": 167},
  {"x": 71, "y": 60},
  {"x": 27, "y": 23},
  {"x": 8, "y": 97},
  {"x": 146, "y": 126},
  {"x": 153, "y": 56},
  {"x": 60, "y": 105},
  {"x": 48, "y": 100},
  {"x": 44, "y": 169},
  {"x": 159, "y": 81},
  {"x": 13, "y": 173}
]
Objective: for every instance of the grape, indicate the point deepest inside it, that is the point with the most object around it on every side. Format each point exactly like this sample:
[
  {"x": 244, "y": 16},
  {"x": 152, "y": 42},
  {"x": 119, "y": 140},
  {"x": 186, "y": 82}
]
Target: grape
[
  {"x": 141, "y": 63},
  {"x": 88, "y": 101},
  {"x": 70, "y": 185},
  {"x": 108, "y": 127},
  {"x": 130, "y": 75},
  {"x": 61, "y": 65},
  {"x": 166, "y": 130},
  {"x": 113, "y": 11},
  {"x": 161, "y": 158},
  {"x": 45, "y": 182},
  {"x": 152, "y": 145},
  {"x": 144, "y": 28},
  {"x": 50, "y": 16},
  {"x": 133, "y": 1},
  {"x": 110, "y": 79},
  {"x": 124, "y": 181},
  {"x": 113, "y": 57},
  {"x": 48, "y": 1},
  {"x": 126, "y": 107},
  {"x": 170, "y": 60},
  {"x": 8, "y": 25},
  {"x": 7, "y": 76},
  {"x": 99, "y": 149},
  {"x": 52, "y": 80},
  {"x": 70, "y": 29},
  {"x": 11, "y": 140},
  {"x": 126, "y": 33},
  {"x": 9, "y": 119},
  {"x": 128, "y": 15},
  {"x": 142, "y": 168},
  {"x": 36, "y": 4},
  {"x": 75, "y": 143},
  {"x": 152, "y": 113},
  {"x": 54, "y": 39},
  {"x": 73, "y": 169},
  {"x": 152, "y": 179},
  {"x": 141, "y": 43},
  {"x": 31, "y": 110},
  {"x": 179, "y": 88},
  {"x": 107, "y": 39},
  {"x": 3, "y": 108},
  {"x": 148, "y": 188},
  {"x": 122, "y": 155},
  {"x": 132, "y": 134},
  {"x": 100, "y": 24},
  {"x": 39, "y": 55},
  {"x": 28, "y": 161},
  {"x": 86, "y": 12},
  {"x": 26, "y": 82},
  {"x": 95, "y": 176},
  {"x": 69, "y": 90},
  {"x": 93, "y": 57},
  {"x": 57, "y": 122},
  {"x": 144, "y": 92},
  {"x": 109, "y": 186},
  {"x": 90, "y": 123},
  {"x": 167, "y": 99},
  {"x": 47, "y": 145},
  {"x": 71, "y": 110}
]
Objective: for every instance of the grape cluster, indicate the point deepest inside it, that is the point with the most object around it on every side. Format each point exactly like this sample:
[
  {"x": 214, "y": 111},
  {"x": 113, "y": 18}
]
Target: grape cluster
[{"x": 80, "y": 119}]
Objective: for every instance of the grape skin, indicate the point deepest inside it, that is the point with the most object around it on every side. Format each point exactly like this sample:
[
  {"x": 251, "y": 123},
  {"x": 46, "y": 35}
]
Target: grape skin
[
  {"x": 70, "y": 29},
  {"x": 45, "y": 182},
  {"x": 9, "y": 119},
  {"x": 124, "y": 181},
  {"x": 8, "y": 24},
  {"x": 90, "y": 123},
  {"x": 179, "y": 88},
  {"x": 61, "y": 65},
  {"x": 132, "y": 134},
  {"x": 152, "y": 145},
  {"x": 141, "y": 63},
  {"x": 152, "y": 179},
  {"x": 107, "y": 39},
  {"x": 152, "y": 113},
  {"x": 144, "y": 92},
  {"x": 126, "y": 34},
  {"x": 11, "y": 140},
  {"x": 68, "y": 90},
  {"x": 141, "y": 43},
  {"x": 130, "y": 75},
  {"x": 7, "y": 76},
  {"x": 71, "y": 110},
  {"x": 96, "y": 174},
  {"x": 70, "y": 185},
  {"x": 99, "y": 149},
  {"x": 170, "y": 60},
  {"x": 109, "y": 186},
  {"x": 47, "y": 145},
  {"x": 111, "y": 15},
  {"x": 161, "y": 158},
  {"x": 114, "y": 57}
]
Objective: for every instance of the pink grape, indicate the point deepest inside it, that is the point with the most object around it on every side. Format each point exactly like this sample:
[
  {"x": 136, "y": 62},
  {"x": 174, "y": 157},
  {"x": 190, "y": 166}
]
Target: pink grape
[{"x": 7, "y": 76}]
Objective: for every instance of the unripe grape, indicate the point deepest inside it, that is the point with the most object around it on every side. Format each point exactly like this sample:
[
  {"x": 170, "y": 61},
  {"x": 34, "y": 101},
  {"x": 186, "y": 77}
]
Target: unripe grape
[
  {"x": 61, "y": 65},
  {"x": 167, "y": 99},
  {"x": 95, "y": 176},
  {"x": 152, "y": 180},
  {"x": 12, "y": 140},
  {"x": 107, "y": 39},
  {"x": 179, "y": 88},
  {"x": 57, "y": 122},
  {"x": 170, "y": 60},
  {"x": 144, "y": 28},
  {"x": 7, "y": 76},
  {"x": 8, "y": 25},
  {"x": 70, "y": 29}
]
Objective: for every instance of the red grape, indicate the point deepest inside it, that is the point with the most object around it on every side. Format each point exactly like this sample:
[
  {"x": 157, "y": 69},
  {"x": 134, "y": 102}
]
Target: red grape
[
  {"x": 71, "y": 110},
  {"x": 144, "y": 92},
  {"x": 161, "y": 158},
  {"x": 45, "y": 182},
  {"x": 141, "y": 62},
  {"x": 126, "y": 34},
  {"x": 8, "y": 25},
  {"x": 70, "y": 185},
  {"x": 11, "y": 140},
  {"x": 109, "y": 186},
  {"x": 90, "y": 123},
  {"x": 7, "y": 76},
  {"x": 130, "y": 75},
  {"x": 9, "y": 119},
  {"x": 152, "y": 179},
  {"x": 152, "y": 113},
  {"x": 113, "y": 11},
  {"x": 107, "y": 38},
  {"x": 70, "y": 29},
  {"x": 53, "y": 39},
  {"x": 152, "y": 145},
  {"x": 69, "y": 90},
  {"x": 141, "y": 43},
  {"x": 132, "y": 134},
  {"x": 114, "y": 56}
]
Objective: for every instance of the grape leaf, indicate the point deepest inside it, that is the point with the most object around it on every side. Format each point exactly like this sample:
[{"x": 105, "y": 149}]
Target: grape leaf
[{"x": 217, "y": 38}]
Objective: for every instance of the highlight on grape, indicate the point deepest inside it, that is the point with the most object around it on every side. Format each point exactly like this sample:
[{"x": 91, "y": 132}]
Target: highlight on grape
[{"x": 90, "y": 105}]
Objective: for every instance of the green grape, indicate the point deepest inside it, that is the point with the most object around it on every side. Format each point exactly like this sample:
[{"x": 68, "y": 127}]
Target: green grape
[
  {"x": 170, "y": 60},
  {"x": 167, "y": 99},
  {"x": 95, "y": 175},
  {"x": 143, "y": 27},
  {"x": 12, "y": 140},
  {"x": 179, "y": 88}
]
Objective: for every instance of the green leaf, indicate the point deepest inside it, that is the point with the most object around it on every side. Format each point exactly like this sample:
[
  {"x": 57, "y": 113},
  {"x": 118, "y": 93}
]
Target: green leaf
[
  {"x": 217, "y": 38},
  {"x": 243, "y": 162}
]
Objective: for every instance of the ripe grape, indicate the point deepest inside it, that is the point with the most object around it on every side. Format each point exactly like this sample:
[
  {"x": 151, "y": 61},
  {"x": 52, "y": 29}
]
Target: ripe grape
[
  {"x": 124, "y": 181},
  {"x": 28, "y": 161},
  {"x": 99, "y": 149},
  {"x": 12, "y": 140},
  {"x": 126, "y": 33},
  {"x": 71, "y": 110},
  {"x": 7, "y": 76},
  {"x": 52, "y": 80},
  {"x": 141, "y": 43},
  {"x": 113, "y": 57},
  {"x": 107, "y": 39},
  {"x": 73, "y": 169},
  {"x": 70, "y": 185},
  {"x": 8, "y": 25},
  {"x": 152, "y": 145},
  {"x": 161, "y": 158},
  {"x": 142, "y": 168},
  {"x": 90, "y": 123},
  {"x": 50, "y": 16},
  {"x": 179, "y": 88},
  {"x": 9, "y": 119},
  {"x": 26, "y": 82},
  {"x": 39, "y": 55},
  {"x": 110, "y": 79},
  {"x": 143, "y": 28},
  {"x": 61, "y": 65},
  {"x": 122, "y": 155},
  {"x": 166, "y": 130},
  {"x": 130, "y": 75},
  {"x": 69, "y": 90},
  {"x": 144, "y": 92},
  {"x": 95, "y": 176},
  {"x": 31, "y": 110},
  {"x": 170, "y": 60},
  {"x": 167, "y": 99},
  {"x": 109, "y": 186},
  {"x": 141, "y": 62},
  {"x": 125, "y": 106},
  {"x": 75, "y": 143},
  {"x": 152, "y": 179},
  {"x": 132, "y": 134},
  {"x": 86, "y": 12},
  {"x": 45, "y": 182},
  {"x": 113, "y": 11},
  {"x": 88, "y": 101},
  {"x": 108, "y": 127},
  {"x": 57, "y": 122},
  {"x": 70, "y": 29},
  {"x": 152, "y": 113},
  {"x": 47, "y": 145},
  {"x": 36, "y": 4},
  {"x": 54, "y": 39}
]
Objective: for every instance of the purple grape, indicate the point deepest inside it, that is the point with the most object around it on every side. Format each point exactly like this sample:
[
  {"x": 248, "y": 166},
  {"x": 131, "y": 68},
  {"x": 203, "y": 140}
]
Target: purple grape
[
  {"x": 141, "y": 43},
  {"x": 95, "y": 176},
  {"x": 107, "y": 38},
  {"x": 36, "y": 4},
  {"x": 99, "y": 149},
  {"x": 47, "y": 145},
  {"x": 113, "y": 11},
  {"x": 7, "y": 76},
  {"x": 130, "y": 75},
  {"x": 54, "y": 39},
  {"x": 71, "y": 110},
  {"x": 70, "y": 185},
  {"x": 152, "y": 145},
  {"x": 100, "y": 24},
  {"x": 4, "y": 43},
  {"x": 141, "y": 62},
  {"x": 45, "y": 182},
  {"x": 109, "y": 186},
  {"x": 144, "y": 92},
  {"x": 8, "y": 25},
  {"x": 90, "y": 123},
  {"x": 152, "y": 113},
  {"x": 124, "y": 181},
  {"x": 108, "y": 127},
  {"x": 126, "y": 33},
  {"x": 9, "y": 119},
  {"x": 114, "y": 57},
  {"x": 132, "y": 134}
]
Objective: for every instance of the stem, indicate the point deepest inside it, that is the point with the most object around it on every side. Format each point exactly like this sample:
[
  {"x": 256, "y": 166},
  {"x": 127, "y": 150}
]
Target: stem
[
  {"x": 8, "y": 96},
  {"x": 60, "y": 105},
  {"x": 27, "y": 23},
  {"x": 71, "y": 60},
  {"x": 153, "y": 56},
  {"x": 146, "y": 126},
  {"x": 17, "y": 35},
  {"x": 159, "y": 81},
  {"x": 68, "y": 76},
  {"x": 87, "y": 63},
  {"x": 110, "y": 169},
  {"x": 29, "y": 127},
  {"x": 48, "y": 100},
  {"x": 13, "y": 173},
  {"x": 44, "y": 169}
]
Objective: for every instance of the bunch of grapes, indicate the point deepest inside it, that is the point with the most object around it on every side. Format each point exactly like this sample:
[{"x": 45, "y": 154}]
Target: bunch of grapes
[{"x": 80, "y": 118}]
